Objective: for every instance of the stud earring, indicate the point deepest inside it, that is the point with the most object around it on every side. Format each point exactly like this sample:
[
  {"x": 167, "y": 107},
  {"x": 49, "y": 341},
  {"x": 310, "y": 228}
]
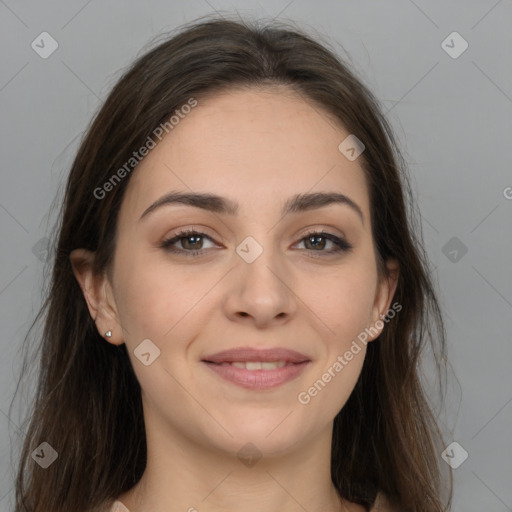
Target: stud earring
[{"x": 108, "y": 334}]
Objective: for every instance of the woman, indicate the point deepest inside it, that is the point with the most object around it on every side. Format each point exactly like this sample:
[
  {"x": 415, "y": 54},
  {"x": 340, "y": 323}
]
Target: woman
[{"x": 238, "y": 300}]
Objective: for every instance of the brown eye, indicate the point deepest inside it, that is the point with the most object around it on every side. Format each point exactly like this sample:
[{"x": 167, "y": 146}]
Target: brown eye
[
  {"x": 317, "y": 241},
  {"x": 191, "y": 242}
]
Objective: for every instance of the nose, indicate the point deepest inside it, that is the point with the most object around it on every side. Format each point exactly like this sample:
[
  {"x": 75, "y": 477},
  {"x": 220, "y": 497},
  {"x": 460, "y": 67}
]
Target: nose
[{"x": 261, "y": 292}]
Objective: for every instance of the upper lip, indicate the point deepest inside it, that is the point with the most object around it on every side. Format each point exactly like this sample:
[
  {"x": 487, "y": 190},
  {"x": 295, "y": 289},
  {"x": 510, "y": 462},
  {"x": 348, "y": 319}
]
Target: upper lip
[{"x": 244, "y": 354}]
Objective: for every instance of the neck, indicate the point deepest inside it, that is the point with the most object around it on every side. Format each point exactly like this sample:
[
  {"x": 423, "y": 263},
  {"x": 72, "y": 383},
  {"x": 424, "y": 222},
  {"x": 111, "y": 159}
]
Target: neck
[{"x": 182, "y": 476}]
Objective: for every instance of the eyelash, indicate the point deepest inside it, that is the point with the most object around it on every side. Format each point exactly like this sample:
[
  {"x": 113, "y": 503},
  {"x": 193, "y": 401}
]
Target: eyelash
[{"x": 342, "y": 245}]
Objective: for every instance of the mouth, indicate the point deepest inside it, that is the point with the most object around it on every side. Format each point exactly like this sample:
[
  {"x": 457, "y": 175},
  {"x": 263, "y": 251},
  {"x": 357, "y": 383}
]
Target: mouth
[{"x": 257, "y": 369}]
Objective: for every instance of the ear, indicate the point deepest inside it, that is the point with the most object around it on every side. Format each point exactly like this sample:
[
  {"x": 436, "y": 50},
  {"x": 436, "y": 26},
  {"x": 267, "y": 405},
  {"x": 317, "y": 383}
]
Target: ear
[
  {"x": 384, "y": 294},
  {"x": 98, "y": 295}
]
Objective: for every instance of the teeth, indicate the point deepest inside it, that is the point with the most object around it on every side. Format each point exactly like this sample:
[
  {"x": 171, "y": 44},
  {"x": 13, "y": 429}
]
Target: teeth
[{"x": 259, "y": 365}]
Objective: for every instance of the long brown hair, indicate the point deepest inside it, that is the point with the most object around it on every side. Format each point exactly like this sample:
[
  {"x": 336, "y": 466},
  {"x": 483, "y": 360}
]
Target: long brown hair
[{"x": 88, "y": 403}]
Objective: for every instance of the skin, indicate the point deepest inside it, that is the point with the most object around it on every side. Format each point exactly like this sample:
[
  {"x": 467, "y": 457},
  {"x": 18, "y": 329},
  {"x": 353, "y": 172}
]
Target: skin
[{"x": 257, "y": 147}]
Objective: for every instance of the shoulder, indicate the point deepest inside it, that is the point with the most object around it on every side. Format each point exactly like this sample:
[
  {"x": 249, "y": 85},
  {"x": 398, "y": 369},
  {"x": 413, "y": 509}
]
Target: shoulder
[{"x": 382, "y": 504}]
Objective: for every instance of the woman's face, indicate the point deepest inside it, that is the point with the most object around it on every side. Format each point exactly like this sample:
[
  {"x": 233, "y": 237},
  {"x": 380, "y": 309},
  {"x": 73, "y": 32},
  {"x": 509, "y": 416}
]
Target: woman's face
[{"x": 260, "y": 279}]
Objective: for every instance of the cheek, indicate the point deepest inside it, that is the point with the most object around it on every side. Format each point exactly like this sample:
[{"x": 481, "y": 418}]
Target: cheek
[
  {"x": 159, "y": 301},
  {"x": 331, "y": 385},
  {"x": 344, "y": 301},
  {"x": 348, "y": 306}
]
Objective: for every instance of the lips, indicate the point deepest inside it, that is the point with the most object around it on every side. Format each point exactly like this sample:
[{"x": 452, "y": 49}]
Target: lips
[
  {"x": 245, "y": 354},
  {"x": 257, "y": 369}
]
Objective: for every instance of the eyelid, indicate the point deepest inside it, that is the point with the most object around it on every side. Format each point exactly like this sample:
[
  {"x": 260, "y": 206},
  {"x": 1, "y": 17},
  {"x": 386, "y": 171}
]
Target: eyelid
[
  {"x": 322, "y": 229},
  {"x": 183, "y": 233},
  {"x": 340, "y": 241}
]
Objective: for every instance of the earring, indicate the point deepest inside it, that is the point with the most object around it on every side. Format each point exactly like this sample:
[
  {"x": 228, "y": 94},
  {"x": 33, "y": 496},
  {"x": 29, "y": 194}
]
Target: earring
[{"x": 108, "y": 334}]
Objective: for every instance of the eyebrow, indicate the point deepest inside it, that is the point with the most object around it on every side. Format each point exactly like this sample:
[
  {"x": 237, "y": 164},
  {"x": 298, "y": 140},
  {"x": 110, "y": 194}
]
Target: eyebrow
[{"x": 222, "y": 205}]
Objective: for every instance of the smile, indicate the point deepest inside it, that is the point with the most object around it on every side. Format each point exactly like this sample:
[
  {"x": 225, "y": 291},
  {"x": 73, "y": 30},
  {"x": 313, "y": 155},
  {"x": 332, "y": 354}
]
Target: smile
[
  {"x": 256, "y": 365},
  {"x": 257, "y": 369}
]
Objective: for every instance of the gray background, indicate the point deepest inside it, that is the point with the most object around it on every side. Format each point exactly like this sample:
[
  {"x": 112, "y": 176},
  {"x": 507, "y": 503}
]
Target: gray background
[{"x": 452, "y": 117}]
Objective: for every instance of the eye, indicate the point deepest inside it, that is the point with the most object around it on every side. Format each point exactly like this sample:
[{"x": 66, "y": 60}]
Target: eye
[
  {"x": 319, "y": 239},
  {"x": 190, "y": 241}
]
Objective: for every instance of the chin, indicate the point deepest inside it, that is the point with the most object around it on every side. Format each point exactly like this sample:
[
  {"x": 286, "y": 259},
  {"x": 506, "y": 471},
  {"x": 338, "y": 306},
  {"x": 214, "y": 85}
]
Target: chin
[{"x": 269, "y": 435}]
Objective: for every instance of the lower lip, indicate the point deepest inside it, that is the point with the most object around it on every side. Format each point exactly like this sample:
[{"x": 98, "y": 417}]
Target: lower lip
[{"x": 258, "y": 379}]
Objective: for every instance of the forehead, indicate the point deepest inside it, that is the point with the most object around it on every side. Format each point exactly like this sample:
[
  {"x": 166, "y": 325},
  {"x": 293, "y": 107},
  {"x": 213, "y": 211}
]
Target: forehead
[{"x": 254, "y": 146}]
